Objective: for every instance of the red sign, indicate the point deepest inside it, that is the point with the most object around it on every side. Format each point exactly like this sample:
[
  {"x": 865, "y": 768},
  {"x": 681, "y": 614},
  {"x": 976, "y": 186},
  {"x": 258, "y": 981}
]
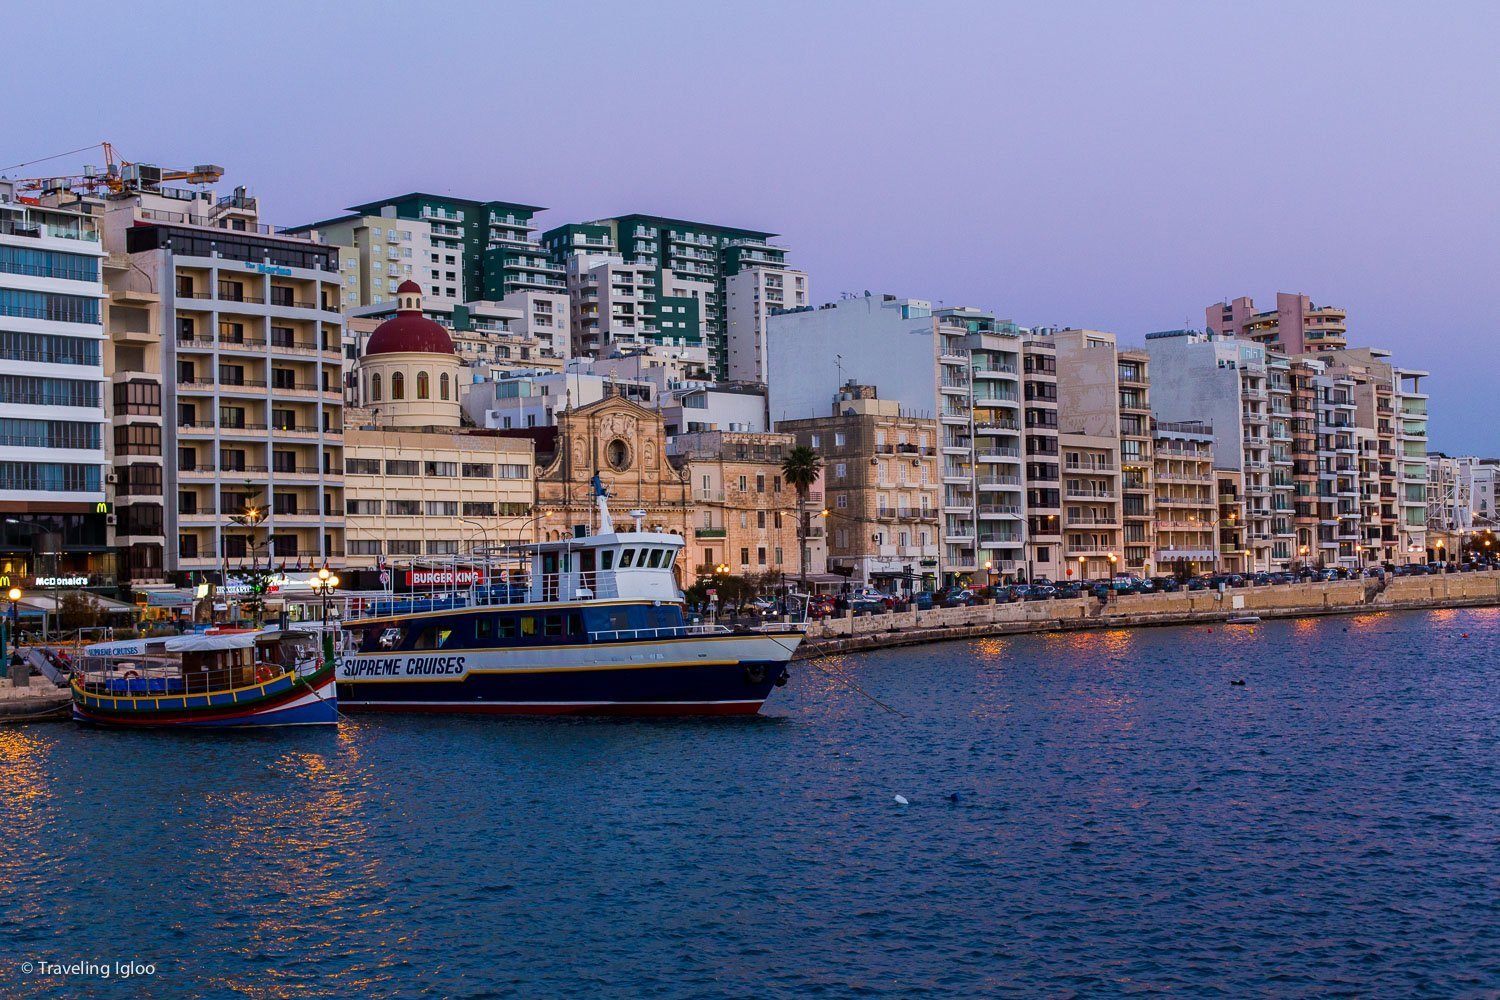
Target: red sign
[
  {"x": 443, "y": 577},
  {"x": 1070, "y": 570}
]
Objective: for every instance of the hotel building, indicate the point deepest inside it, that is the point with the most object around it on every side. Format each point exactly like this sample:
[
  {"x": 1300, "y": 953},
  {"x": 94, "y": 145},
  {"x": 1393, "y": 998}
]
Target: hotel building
[
  {"x": 54, "y": 512},
  {"x": 227, "y": 381},
  {"x": 1187, "y": 502}
]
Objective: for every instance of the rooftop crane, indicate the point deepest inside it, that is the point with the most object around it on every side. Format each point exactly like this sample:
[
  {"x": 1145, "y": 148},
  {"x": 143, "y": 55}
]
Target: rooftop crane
[{"x": 119, "y": 176}]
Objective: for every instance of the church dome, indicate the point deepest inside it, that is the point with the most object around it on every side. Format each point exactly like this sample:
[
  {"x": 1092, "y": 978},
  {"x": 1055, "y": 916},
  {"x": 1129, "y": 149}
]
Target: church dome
[{"x": 409, "y": 332}]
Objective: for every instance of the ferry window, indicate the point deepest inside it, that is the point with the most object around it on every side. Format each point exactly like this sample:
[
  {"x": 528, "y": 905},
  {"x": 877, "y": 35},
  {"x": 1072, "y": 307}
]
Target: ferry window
[
  {"x": 655, "y": 558},
  {"x": 575, "y": 623},
  {"x": 607, "y": 561},
  {"x": 433, "y": 637},
  {"x": 619, "y": 618},
  {"x": 507, "y": 625},
  {"x": 552, "y": 625},
  {"x": 484, "y": 628},
  {"x": 627, "y": 556},
  {"x": 389, "y": 638},
  {"x": 528, "y": 624}
]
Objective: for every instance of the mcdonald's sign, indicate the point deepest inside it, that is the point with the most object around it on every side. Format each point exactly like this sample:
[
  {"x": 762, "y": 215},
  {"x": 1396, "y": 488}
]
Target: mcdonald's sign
[
  {"x": 4, "y": 579},
  {"x": 103, "y": 507}
]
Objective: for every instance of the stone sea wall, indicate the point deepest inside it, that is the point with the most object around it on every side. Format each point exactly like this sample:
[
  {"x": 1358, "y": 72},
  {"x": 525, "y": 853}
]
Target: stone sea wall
[{"x": 848, "y": 634}]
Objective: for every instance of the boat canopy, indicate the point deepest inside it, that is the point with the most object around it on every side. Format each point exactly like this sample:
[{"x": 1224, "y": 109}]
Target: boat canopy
[{"x": 210, "y": 643}]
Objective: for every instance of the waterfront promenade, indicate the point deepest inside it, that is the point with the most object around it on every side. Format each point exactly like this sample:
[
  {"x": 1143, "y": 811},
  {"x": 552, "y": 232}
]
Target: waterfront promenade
[{"x": 851, "y": 634}]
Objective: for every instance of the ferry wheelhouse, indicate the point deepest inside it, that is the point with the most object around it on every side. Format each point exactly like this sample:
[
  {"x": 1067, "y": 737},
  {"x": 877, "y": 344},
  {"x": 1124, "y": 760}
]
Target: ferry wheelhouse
[
  {"x": 239, "y": 678},
  {"x": 592, "y": 625}
]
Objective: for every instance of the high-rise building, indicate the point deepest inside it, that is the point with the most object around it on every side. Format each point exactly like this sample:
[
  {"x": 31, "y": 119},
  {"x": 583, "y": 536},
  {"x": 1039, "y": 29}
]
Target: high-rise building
[
  {"x": 474, "y": 250},
  {"x": 694, "y": 262},
  {"x": 227, "y": 370},
  {"x": 379, "y": 252},
  {"x": 53, "y": 501},
  {"x": 1295, "y": 326},
  {"x": 979, "y": 412},
  {"x": 752, "y": 296},
  {"x": 1245, "y": 393}
]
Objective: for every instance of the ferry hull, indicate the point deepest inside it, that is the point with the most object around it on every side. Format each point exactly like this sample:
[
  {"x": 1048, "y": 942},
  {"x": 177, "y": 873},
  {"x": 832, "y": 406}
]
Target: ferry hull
[{"x": 680, "y": 678}]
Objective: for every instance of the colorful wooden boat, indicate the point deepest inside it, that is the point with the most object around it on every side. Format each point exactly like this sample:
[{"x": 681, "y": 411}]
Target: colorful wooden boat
[{"x": 215, "y": 680}]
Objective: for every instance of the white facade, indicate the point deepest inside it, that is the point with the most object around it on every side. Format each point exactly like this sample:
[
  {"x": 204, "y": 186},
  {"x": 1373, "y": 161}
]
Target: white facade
[
  {"x": 379, "y": 252},
  {"x": 751, "y": 296},
  {"x": 881, "y": 341},
  {"x": 695, "y": 410},
  {"x": 51, "y": 373},
  {"x": 612, "y": 304}
]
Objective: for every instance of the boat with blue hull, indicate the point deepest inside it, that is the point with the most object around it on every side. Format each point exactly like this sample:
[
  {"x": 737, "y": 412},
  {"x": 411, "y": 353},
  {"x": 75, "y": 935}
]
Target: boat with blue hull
[
  {"x": 217, "y": 680},
  {"x": 592, "y": 625}
]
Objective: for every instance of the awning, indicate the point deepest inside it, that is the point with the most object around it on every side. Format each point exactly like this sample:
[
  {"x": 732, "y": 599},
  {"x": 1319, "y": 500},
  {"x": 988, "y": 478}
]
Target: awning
[{"x": 38, "y": 604}]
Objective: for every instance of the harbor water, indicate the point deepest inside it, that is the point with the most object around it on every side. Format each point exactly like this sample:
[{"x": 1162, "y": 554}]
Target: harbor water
[{"x": 1092, "y": 813}]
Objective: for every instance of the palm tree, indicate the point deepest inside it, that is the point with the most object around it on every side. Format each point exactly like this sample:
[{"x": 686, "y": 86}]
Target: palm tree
[{"x": 801, "y": 468}]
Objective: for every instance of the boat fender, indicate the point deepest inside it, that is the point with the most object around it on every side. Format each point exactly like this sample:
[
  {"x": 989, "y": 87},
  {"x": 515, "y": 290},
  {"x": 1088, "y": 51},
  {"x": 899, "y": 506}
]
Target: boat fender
[
  {"x": 755, "y": 673},
  {"x": 786, "y": 675},
  {"x": 131, "y": 675}
]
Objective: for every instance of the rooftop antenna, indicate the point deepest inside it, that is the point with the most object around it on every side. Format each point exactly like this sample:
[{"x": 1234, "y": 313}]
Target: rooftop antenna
[{"x": 838, "y": 363}]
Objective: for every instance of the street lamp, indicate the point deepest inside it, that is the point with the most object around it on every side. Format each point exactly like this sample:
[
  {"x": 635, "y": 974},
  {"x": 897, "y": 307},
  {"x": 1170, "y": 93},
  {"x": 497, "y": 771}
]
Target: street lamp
[
  {"x": 13, "y": 595},
  {"x": 989, "y": 574},
  {"x": 324, "y": 585}
]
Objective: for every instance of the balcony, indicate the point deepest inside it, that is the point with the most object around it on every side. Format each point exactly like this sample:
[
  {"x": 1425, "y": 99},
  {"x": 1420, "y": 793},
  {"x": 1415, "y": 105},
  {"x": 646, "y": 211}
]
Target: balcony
[{"x": 708, "y": 532}]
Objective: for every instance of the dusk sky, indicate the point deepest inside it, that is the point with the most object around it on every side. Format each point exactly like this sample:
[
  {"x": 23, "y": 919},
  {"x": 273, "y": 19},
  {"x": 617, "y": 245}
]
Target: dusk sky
[{"x": 1117, "y": 166}]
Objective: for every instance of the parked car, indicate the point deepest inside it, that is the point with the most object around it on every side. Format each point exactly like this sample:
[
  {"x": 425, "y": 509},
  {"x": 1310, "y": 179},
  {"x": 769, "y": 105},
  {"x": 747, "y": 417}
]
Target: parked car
[
  {"x": 922, "y": 601},
  {"x": 1040, "y": 592},
  {"x": 1197, "y": 583},
  {"x": 1261, "y": 579},
  {"x": 1165, "y": 584},
  {"x": 1069, "y": 590},
  {"x": 867, "y": 604},
  {"x": 959, "y": 598}
]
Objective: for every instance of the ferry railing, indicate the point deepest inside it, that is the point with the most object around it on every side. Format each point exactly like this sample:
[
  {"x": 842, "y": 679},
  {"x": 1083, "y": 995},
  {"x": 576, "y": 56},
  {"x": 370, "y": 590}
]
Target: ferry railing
[{"x": 665, "y": 632}]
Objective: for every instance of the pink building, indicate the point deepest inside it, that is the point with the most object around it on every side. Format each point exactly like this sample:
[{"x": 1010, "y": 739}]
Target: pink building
[{"x": 1295, "y": 326}]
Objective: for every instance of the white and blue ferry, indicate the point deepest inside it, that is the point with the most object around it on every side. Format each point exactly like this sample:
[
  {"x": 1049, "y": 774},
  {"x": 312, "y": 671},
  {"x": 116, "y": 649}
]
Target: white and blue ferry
[{"x": 591, "y": 625}]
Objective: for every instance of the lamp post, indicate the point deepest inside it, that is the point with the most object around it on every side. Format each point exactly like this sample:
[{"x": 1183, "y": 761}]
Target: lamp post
[
  {"x": 324, "y": 585},
  {"x": 13, "y": 595},
  {"x": 989, "y": 576},
  {"x": 1301, "y": 559}
]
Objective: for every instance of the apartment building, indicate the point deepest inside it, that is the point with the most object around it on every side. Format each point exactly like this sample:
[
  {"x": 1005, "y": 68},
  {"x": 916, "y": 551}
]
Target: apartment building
[
  {"x": 1187, "y": 500},
  {"x": 1235, "y": 555},
  {"x": 694, "y": 262},
  {"x": 476, "y": 251},
  {"x": 1390, "y": 402},
  {"x": 1093, "y": 525},
  {"x": 379, "y": 252},
  {"x": 1246, "y": 394},
  {"x": 979, "y": 412},
  {"x": 1295, "y": 326},
  {"x": 743, "y": 515},
  {"x": 1104, "y": 404},
  {"x": 752, "y": 296},
  {"x": 53, "y": 498},
  {"x": 1043, "y": 472},
  {"x": 614, "y": 307},
  {"x": 881, "y": 489},
  {"x": 868, "y": 339}
]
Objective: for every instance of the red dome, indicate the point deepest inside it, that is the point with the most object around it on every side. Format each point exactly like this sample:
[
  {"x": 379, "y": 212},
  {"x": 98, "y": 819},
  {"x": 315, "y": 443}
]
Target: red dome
[{"x": 409, "y": 332}]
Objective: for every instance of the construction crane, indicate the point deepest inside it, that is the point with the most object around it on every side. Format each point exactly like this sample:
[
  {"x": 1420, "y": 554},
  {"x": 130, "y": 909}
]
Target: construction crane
[{"x": 118, "y": 177}]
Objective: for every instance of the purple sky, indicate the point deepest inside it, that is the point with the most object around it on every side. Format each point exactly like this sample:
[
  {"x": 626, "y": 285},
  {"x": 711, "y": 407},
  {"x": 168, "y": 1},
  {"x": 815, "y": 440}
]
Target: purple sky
[{"x": 1110, "y": 165}]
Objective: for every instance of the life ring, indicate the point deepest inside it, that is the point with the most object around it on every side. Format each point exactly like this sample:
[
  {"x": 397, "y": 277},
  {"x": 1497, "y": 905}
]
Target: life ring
[
  {"x": 131, "y": 675},
  {"x": 755, "y": 673},
  {"x": 265, "y": 672}
]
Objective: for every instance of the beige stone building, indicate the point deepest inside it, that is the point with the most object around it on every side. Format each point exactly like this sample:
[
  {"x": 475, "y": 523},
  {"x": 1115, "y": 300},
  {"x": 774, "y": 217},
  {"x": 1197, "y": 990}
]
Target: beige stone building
[
  {"x": 881, "y": 485},
  {"x": 744, "y": 516},
  {"x": 1187, "y": 504},
  {"x": 414, "y": 494}
]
